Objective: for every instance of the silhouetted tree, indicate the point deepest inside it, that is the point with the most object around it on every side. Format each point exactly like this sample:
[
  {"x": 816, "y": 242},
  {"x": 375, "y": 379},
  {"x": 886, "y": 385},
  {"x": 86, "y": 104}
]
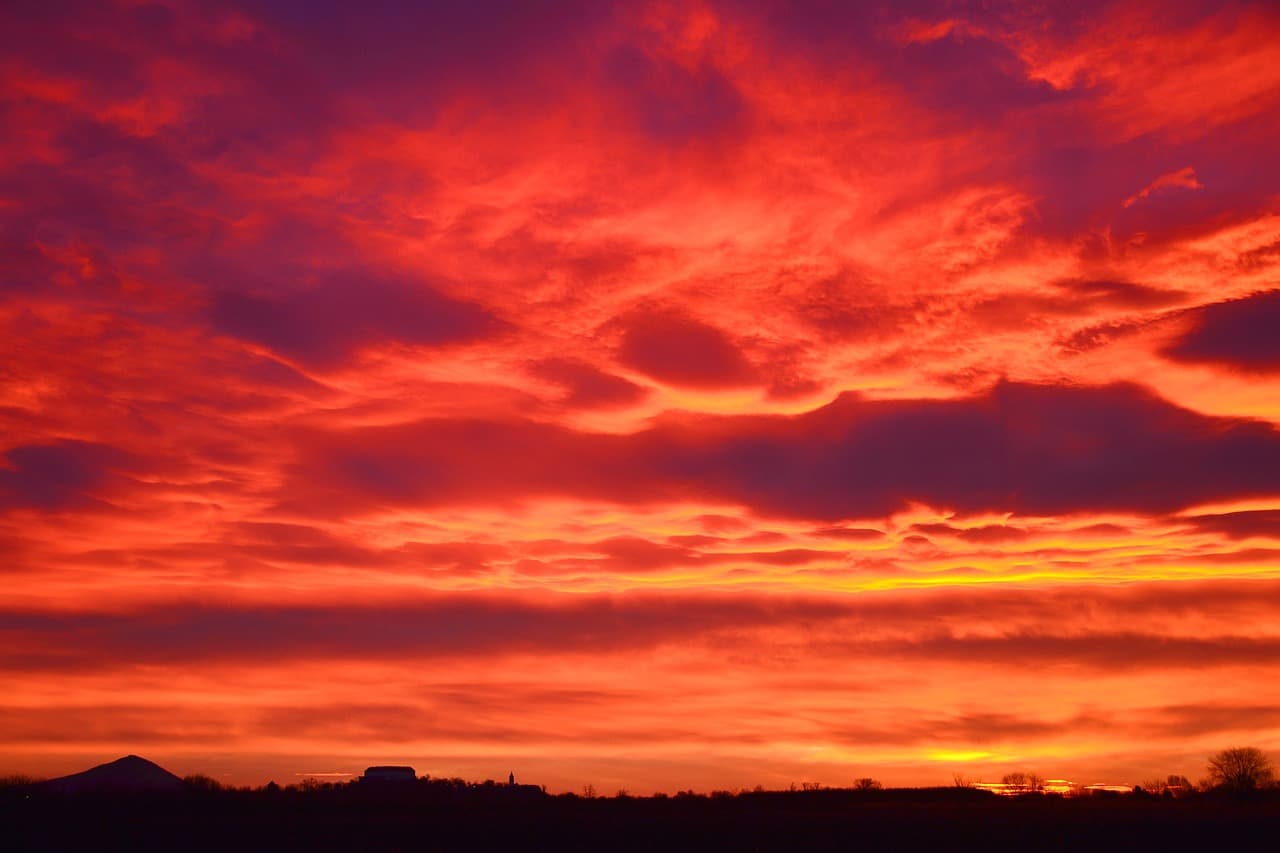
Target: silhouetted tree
[
  {"x": 17, "y": 780},
  {"x": 1024, "y": 782},
  {"x": 201, "y": 782},
  {"x": 1240, "y": 768},
  {"x": 866, "y": 783},
  {"x": 1172, "y": 785}
]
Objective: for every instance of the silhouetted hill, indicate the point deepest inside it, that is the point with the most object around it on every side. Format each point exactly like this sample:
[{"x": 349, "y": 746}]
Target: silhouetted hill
[{"x": 131, "y": 774}]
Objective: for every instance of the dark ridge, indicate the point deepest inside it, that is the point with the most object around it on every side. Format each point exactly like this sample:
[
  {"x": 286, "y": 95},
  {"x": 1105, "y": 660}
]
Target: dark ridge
[{"x": 131, "y": 774}]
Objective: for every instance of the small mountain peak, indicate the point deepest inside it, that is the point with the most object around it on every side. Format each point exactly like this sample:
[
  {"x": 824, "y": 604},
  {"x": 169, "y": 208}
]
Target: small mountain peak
[{"x": 130, "y": 773}]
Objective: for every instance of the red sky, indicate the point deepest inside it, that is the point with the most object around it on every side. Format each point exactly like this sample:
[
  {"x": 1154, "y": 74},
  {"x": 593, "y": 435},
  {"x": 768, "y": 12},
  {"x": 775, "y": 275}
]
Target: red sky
[{"x": 656, "y": 396}]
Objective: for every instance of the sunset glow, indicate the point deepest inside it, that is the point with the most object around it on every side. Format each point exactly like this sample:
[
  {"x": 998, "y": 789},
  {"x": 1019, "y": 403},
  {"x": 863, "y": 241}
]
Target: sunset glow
[{"x": 650, "y": 395}]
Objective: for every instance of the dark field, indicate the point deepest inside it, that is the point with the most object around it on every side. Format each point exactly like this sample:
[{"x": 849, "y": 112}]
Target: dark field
[{"x": 421, "y": 817}]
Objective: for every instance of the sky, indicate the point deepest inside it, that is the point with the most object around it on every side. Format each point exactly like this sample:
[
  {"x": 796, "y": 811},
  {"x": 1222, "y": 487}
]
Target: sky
[{"x": 648, "y": 395}]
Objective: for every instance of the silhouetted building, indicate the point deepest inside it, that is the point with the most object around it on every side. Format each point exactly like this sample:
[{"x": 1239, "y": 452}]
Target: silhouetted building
[
  {"x": 389, "y": 773},
  {"x": 511, "y": 778}
]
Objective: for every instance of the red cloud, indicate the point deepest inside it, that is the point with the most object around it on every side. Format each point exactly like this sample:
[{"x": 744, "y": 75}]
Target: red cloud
[
  {"x": 588, "y": 386},
  {"x": 1034, "y": 449},
  {"x": 1239, "y": 334},
  {"x": 682, "y": 351},
  {"x": 1184, "y": 178}
]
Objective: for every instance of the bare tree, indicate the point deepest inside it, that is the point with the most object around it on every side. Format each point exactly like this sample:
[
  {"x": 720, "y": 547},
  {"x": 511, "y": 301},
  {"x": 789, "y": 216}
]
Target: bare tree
[
  {"x": 1024, "y": 783},
  {"x": 17, "y": 780},
  {"x": 201, "y": 782},
  {"x": 1240, "y": 768},
  {"x": 866, "y": 783},
  {"x": 1173, "y": 785}
]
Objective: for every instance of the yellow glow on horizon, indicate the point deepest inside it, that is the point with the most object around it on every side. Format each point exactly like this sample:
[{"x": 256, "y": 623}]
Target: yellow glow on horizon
[{"x": 961, "y": 756}]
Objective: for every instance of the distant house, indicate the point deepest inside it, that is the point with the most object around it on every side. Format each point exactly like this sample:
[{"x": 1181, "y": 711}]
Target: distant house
[{"x": 389, "y": 773}]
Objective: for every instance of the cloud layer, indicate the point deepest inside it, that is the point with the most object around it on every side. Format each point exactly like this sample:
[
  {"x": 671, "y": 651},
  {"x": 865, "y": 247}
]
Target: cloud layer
[{"x": 454, "y": 385}]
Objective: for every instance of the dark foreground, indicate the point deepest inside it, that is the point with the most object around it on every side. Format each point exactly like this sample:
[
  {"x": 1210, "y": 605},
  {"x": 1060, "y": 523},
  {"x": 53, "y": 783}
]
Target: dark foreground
[{"x": 355, "y": 818}]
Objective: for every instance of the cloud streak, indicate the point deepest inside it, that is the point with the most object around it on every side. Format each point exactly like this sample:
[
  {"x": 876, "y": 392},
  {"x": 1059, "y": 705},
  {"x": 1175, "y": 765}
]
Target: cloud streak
[{"x": 1034, "y": 449}]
